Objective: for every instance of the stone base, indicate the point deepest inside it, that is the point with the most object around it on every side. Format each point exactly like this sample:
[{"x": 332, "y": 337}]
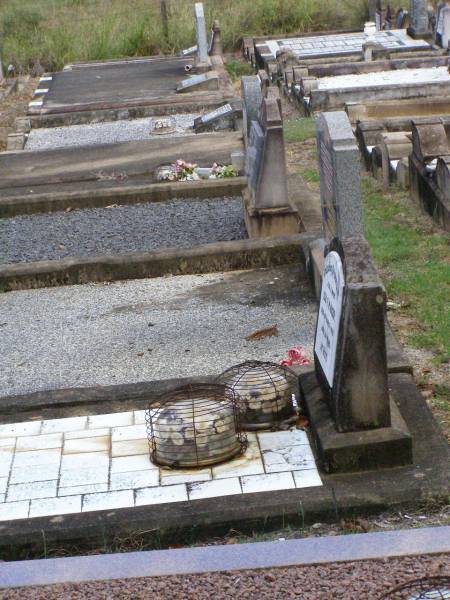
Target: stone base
[
  {"x": 358, "y": 450},
  {"x": 202, "y": 67},
  {"x": 417, "y": 35},
  {"x": 270, "y": 222}
]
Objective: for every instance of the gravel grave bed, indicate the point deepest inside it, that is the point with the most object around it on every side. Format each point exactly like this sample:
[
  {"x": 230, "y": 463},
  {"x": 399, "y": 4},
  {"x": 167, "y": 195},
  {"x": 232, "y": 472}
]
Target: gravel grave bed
[
  {"x": 121, "y": 229},
  {"x": 365, "y": 580},
  {"x": 107, "y": 133},
  {"x": 150, "y": 329}
]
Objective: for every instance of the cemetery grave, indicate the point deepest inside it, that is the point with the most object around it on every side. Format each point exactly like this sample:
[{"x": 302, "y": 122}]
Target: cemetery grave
[
  {"x": 92, "y": 443},
  {"x": 429, "y": 168},
  {"x": 107, "y": 90},
  {"x": 332, "y": 93}
]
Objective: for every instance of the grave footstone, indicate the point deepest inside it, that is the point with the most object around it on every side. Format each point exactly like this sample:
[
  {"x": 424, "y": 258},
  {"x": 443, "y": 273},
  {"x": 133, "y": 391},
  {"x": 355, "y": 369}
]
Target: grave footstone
[{"x": 340, "y": 179}]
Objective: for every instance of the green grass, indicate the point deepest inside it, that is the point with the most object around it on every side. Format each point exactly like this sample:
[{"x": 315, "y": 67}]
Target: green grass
[
  {"x": 415, "y": 262},
  {"x": 53, "y": 32},
  {"x": 237, "y": 69},
  {"x": 413, "y": 257},
  {"x": 299, "y": 130},
  {"x": 311, "y": 175}
]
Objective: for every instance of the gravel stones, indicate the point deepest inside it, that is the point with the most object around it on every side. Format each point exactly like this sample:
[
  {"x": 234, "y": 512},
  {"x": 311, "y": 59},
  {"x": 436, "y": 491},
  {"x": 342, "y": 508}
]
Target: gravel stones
[
  {"x": 121, "y": 229},
  {"x": 108, "y": 133},
  {"x": 145, "y": 330}
]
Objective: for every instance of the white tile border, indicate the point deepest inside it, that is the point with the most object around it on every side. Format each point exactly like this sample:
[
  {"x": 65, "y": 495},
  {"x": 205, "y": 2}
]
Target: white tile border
[{"x": 101, "y": 462}]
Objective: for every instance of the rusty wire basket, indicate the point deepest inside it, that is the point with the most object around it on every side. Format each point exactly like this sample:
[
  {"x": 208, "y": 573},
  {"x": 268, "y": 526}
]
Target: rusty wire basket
[
  {"x": 266, "y": 392},
  {"x": 194, "y": 426},
  {"x": 425, "y": 588}
]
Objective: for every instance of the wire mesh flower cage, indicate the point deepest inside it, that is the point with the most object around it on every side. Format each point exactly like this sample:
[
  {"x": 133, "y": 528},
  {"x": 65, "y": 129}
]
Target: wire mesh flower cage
[
  {"x": 195, "y": 426},
  {"x": 266, "y": 392},
  {"x": 425, "y": 588}
]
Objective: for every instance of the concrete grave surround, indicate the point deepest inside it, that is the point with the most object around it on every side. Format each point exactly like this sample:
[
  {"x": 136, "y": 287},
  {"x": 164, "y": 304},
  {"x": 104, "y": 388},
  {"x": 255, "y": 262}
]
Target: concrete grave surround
[
  {"x": 397, "y": 77},
  {"x": 340, "y": 180},
  {"x": 91, "y": 463},
  {"x": 339, "y": 44}
]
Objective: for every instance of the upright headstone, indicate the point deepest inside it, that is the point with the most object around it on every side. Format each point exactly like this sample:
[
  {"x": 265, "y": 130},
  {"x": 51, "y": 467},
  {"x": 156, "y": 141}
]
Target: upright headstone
[
  {"x": 340, "y": 179},
  {"x": 200, "y": 26},
  {"x": 1, "y": 69},
  {"x": 215, "y": 48},
  {"x": 251, "y": 101},
  {"x": 271, "y": 190},
  {"x": 445, "y": 24},
  {"x": 350, "y": 346},
  {"x": 419, "y": 19},
  {"x": 372, "y": 10}
]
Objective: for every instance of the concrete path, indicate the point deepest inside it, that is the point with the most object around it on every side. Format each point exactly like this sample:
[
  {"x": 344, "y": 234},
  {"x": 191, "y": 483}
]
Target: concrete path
[{"x": 263, "y": 555}]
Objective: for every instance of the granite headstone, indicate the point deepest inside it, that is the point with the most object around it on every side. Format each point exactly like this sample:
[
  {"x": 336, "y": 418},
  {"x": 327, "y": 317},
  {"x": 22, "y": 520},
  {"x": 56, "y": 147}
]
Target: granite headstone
[
  {"x": 251, "y": 99},
  {"x": 340, "y": 179},
  {"x": 419, "y": 18}
]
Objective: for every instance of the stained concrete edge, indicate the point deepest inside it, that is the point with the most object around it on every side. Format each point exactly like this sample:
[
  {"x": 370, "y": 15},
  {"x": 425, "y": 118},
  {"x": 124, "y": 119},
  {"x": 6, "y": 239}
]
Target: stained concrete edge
[
  {"x": 207, "y": 559},
  {"x": 205, "y": 258}
]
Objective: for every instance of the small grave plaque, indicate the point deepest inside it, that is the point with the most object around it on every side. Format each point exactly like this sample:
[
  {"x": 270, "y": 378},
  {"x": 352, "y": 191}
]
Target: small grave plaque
[
  {"x": 205, "y": 81},
  {"x": 330, "y": 315},
  {"x": 219, "y": 112},
  {"x": 221, "y": 118},
  {"x": 189, "y": 51}
]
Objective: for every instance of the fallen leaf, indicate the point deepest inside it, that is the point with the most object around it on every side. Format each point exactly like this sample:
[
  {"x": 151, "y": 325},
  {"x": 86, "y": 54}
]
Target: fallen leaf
[
  {"x": 302, "y": 423},
  {"x": 262, "y": 333}
]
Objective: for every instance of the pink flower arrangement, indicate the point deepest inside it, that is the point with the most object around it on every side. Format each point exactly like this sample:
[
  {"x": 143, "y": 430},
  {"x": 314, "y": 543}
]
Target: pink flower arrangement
[{"x": 296, "y": 357}]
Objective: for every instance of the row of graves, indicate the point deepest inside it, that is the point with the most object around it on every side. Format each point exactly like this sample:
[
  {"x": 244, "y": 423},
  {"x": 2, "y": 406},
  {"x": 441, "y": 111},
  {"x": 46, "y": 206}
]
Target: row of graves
[
  {"x": 393, "y": 82},
  {"x": 146, "y": 391}
]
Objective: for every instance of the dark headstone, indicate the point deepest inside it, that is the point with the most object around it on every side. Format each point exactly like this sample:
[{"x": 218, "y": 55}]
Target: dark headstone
[
  {"x": 255, "y": 149},
  {"x": 251, "y": 101},
  {"x": 419, "y": 19},
  {"x": 340, "y": 180}
]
